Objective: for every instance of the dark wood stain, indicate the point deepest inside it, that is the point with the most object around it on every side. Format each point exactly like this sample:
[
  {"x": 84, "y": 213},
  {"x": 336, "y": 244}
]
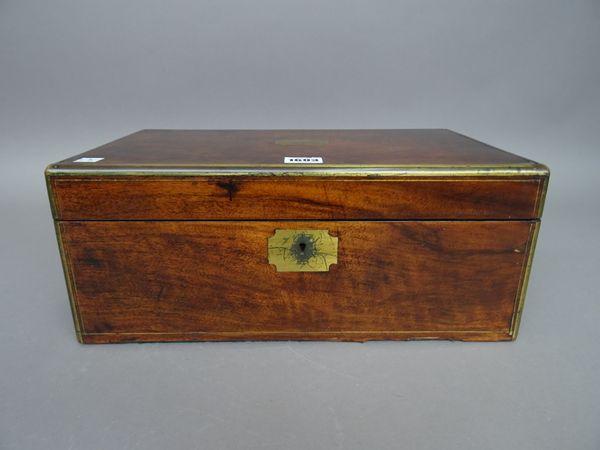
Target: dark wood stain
[{"x": 230, "y": 186}]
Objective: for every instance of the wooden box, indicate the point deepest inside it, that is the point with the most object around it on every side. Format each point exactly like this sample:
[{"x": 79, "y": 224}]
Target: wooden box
[{"x": 347, "y": 235}]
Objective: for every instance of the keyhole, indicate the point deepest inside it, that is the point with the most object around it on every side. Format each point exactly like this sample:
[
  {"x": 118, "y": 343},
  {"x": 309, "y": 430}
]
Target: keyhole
[{"x": 303, "y": 248}]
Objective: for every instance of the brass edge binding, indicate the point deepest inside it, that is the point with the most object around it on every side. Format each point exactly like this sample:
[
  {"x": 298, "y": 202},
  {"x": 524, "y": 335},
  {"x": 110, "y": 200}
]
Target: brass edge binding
[
  {"x": 542, "y": 200},
  {"x": 63, "y": 258},
  {"x": 67, "y": 165},
  {"x": 516, "y": 322},
  {"x": 323, "y": 171},
  {"x": 47, "y": 176},
  {"x": 69, "y": 282},
  {"x": 275, "y": 332}
]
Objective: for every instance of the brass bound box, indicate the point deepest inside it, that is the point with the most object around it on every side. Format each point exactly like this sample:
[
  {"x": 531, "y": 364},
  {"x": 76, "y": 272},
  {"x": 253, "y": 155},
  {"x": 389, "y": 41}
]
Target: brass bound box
[{"x": 181, "y": 235}]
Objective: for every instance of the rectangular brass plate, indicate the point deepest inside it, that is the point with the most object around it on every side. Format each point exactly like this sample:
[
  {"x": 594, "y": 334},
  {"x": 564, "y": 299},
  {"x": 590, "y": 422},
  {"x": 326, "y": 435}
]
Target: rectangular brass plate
[{"x": 302, "y": 250}]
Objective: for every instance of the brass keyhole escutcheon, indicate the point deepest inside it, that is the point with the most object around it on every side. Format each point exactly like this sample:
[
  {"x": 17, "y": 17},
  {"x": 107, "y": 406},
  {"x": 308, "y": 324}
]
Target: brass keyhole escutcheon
[{"x": 302, "y": 250}]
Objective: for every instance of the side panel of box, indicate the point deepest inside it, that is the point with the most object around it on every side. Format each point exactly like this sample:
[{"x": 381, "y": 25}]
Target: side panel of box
[{"x": 162, "y": 281}]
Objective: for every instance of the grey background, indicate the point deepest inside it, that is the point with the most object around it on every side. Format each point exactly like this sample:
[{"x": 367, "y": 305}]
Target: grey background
[{"x": 521, "y": 75}]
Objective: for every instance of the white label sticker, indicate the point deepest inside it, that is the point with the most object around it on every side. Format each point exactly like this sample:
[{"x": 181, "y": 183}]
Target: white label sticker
[
  {"x": 303, "y": 160},
  {"x": 88, "y": 159}
]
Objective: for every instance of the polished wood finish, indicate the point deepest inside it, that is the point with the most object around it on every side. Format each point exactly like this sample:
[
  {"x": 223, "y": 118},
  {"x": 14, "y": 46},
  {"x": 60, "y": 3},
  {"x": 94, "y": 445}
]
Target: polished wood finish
[
  {"x": 276, "y": 198},
  {"x": 165, "y": 238},
  {"x": 155, "y": 281},
  {"x": 172, "y": 148}
]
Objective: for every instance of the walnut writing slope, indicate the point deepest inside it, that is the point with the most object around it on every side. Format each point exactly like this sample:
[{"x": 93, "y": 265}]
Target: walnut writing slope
[{"x": 355, "y": 235}]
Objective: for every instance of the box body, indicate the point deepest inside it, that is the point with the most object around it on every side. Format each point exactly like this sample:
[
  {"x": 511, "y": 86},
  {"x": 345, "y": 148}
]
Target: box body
[{"x": 295, "y": 234}]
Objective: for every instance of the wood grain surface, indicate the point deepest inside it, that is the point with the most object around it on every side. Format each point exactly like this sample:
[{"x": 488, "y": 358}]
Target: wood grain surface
[
  {"x": 168, "y": 148},
  {"x": 158, "y": 281},
  {"x": 164, "y": 236},
  {"x": 301, "y": 198}
]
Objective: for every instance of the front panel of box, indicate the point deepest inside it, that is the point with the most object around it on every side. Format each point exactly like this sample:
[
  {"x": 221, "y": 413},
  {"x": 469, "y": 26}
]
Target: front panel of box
[{"x": 356, "y": 280}]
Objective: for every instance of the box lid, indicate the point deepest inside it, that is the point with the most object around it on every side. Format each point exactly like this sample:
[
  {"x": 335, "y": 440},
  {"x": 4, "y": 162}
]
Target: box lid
[
  {"x": 298, "y": 151},
  {"x": 296, "y": 174}
]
